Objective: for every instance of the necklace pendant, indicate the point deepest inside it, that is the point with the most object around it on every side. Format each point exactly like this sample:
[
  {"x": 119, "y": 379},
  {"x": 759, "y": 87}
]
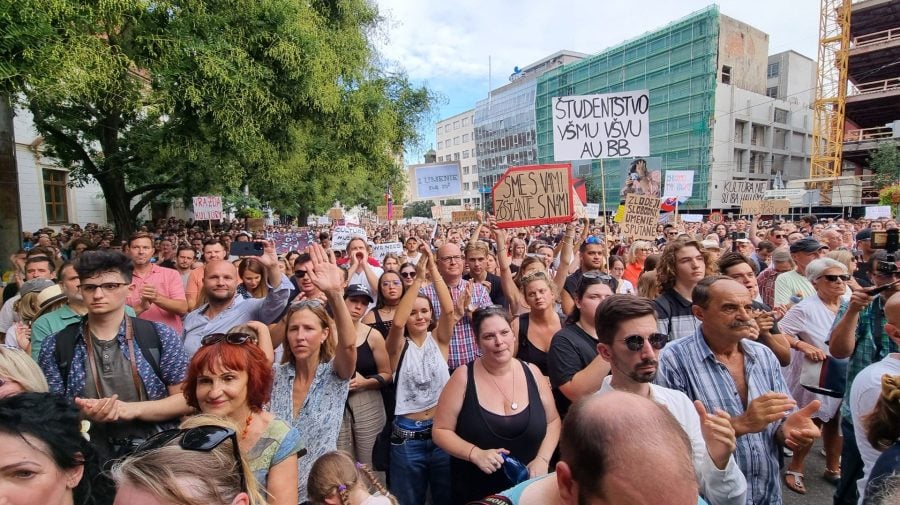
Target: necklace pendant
[{"x": 514, "y": 405}]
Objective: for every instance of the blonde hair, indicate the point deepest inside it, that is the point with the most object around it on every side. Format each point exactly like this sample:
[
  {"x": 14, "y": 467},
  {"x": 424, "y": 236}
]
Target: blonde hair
[
  {"x": 178, "y": 476},
  {"x": 326, "y": 352},
  {"x": 635, "y": 246},
  {"x": 17, "y": 365},
  {"x": 844, "y": 256},
  {"x": 337, "y": 472},
  {"x": 27, "y": 306},
  {"x": 647, "y": 286}
]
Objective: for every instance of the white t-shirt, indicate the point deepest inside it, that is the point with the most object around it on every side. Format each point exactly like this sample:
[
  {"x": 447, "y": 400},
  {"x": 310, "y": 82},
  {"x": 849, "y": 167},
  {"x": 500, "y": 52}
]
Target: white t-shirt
[
  {"x": 810, "y": 320},
  {"x": 863, "y": 396}
]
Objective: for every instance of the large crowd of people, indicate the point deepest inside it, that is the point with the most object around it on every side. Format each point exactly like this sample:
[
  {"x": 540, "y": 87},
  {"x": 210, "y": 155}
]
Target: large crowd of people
[{"x": 552, "y": 364}]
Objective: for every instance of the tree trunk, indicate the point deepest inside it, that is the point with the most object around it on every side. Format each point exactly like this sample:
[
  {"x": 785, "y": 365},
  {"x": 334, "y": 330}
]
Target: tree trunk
[
  {"x": 10, "y": 218},
  {"x": 119, "y": 206}
]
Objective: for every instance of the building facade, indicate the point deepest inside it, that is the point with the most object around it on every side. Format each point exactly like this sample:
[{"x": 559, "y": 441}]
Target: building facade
[
  {"x": 455, "y": 138},
  {"x": 791, "y": 77},
  {"x": 45, "y": 197},
  {"x": 706, "y": 75}
]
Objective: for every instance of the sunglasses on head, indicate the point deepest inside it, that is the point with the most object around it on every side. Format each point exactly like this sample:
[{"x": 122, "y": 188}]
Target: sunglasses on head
[
  {"x": 231, "y": 338},
  {"x": 636, "y": 342},
  {"x": 834, "y": 278},
  {"x": 593, "y": 240},
  {"x": 200, "y": 439},
  {"x": 302, "y": 304}
]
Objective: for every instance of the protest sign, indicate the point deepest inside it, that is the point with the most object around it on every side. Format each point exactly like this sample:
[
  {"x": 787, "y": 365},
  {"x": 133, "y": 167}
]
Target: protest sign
[
  {"x": 692, "y": 218},
  {"x": 592, "y": 210},
  {"x": 534, "y": 194},
  {"x": 323, "y": 221},
  {"x": 382, "y": 212},
  {"x": 207, "y": 208},
  {"x": 735, "y": 192},
  {"x": 336, "y": 213},
  {"x": 716, "y": 217},
  {"x": 379, "y": 251},
  {"x": 578, "y": 210},
  {"x": 877, "y": 211},
  {"x": 464, "y": 216},
  {"x": 679, "y": 183},
  {"x": 291, "y": 241},
  {"x": 620, "y": 214},
  {"x": 589, "y": 127},
  {"x": 436, "y": 211},
  {"x": 256, "y": 224},
  {"x": 435, "y": 181},
  {"x": 641, "y": 217},
  {"x": 765, "y": 207},
  {"x": 352, "y": 219},
  {"x": 341, "y": 236}
]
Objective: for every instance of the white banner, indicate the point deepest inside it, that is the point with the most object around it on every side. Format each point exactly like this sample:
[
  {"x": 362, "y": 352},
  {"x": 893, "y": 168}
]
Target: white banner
[
  {"x": 592, "y": 210},
  {"x": 341, "y": 236},
  {"x": 589, "y": 127},
  {"x": 379, "y": 251},
  {"x": 679, "y": 183},
  {"x": 207, "y": 208}
]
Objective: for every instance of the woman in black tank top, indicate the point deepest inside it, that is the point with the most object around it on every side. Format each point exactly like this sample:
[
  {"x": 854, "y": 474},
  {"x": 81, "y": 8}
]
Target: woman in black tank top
[
  {"x": 390, "y": 290},
  {"x": 493, "y": 406},
  {"x": 535, "y": 329}
]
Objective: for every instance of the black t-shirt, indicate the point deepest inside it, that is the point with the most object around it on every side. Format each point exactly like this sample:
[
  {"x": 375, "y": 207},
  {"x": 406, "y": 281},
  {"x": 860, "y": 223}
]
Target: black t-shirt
[
  {"x": 574, "y": 280},
  {"x": 496, "y": 291},
  {"x": 11, "y": 290},
  {"x": 571, "y": 351}
]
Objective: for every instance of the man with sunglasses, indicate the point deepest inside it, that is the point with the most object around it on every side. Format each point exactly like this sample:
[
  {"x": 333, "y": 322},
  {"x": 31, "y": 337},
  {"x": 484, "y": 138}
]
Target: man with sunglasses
[
  {"x": 793, "y": 286},
  {"x": 224, "y": 310},
  {"x": 723, "y": 366},
  {"x": 306, "y": 289},
  {"x": 124, "y": 373},
  {"x": 860, "y": 335},
  {"x": 628, "y": 339},
  {"x": 593, "y": 254}
]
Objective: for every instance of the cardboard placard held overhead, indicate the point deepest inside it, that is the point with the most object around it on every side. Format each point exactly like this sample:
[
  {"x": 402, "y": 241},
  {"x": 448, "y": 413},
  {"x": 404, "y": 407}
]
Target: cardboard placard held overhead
[
  {"x": 612, "y": 125},
  {"x": 336, "y": 213},
  {"x": 464, "y": 216},
  {"x": 735, "y": 192},
  {"x": 641, "y": 217},
  {"x": 765, "y": 207},
  {"x": 592, "y": 210},
  {"x": 533, "y": 195},
  {"x": 382, "y": 212},
  {"x": 436, "y": 212},
  {"x": 207, "y": 208},
  {"x": 878, "y": 211}
]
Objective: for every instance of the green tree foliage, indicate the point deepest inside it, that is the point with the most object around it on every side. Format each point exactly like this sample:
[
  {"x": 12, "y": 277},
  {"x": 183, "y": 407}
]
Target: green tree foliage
[
  {"x": 182, "y": 97},
  {"x": 417, "y": 209},
  {"x": 885, "y": 163}
]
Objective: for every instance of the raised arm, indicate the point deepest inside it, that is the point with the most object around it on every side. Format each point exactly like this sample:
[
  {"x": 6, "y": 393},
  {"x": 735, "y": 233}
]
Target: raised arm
[
  {"x": 395, "y": 340},
  {"x": 507, "y": 283},
  {"x": 565, "y": 258},
  {"x": 327, "y": 276}
]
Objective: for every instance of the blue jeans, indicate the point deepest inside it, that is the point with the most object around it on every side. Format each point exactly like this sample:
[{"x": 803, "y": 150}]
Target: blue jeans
[
  {"x": 851, "y": 468},
  {"x": 418, "y": 464}
]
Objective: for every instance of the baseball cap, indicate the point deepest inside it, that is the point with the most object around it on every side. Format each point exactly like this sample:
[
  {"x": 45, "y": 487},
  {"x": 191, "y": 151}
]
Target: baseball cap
[
  {"x": 35, "y": 286},
  {"x": 358, "y": 290},
  {"x": 865, "y": 234},
  {"x": 806, "y": 245}
]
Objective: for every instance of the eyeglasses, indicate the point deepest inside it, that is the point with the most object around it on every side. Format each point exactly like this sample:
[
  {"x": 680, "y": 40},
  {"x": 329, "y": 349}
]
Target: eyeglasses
[
  {"x": 636, "y": 342},
  {"x": 302, "y": 304},
  {"x": 450, "y": 259},
  {"x": 834, "y": 278},
  {"x": 200, "y": 439},
  {"x": 387, "y": 284},
  {"x": 299, "y": 274},
  {"x": 106, "y": 286},
  {"x": 231, "y": 338}
]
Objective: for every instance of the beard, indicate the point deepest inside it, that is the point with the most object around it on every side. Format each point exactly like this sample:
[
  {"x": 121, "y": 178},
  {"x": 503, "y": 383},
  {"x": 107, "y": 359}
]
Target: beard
[
  {"x": 644, "y": 376},
  {"x": 214, "y": 297}
]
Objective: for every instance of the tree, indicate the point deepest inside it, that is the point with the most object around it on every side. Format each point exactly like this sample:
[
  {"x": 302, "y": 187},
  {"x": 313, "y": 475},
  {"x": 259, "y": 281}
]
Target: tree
[
  {"x": 181, "y": 97},
  {"x": 417, "y": 209},
  {"x": 885, "y": 164}
]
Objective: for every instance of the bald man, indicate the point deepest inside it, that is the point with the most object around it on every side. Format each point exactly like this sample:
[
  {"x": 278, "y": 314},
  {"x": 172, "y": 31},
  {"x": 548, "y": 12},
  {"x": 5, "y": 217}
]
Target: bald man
[
  {"x": 224, "y": 310},
  {"x": 605, "y": 446}
]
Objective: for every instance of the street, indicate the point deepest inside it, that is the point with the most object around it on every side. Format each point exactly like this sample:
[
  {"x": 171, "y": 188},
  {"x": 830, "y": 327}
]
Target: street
[{"x": 818, "y": 490}]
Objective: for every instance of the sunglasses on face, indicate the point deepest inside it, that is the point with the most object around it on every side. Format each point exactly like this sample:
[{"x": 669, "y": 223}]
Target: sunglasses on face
[
  {"x": 299, "y": 274},
  {"x": 835, "y": 278},
  {"x": 231, "y": 338},
  {"x": 636, "y": 342},
  {"x": 408, "y": 275},
  {"x": 200, "y": 439}
]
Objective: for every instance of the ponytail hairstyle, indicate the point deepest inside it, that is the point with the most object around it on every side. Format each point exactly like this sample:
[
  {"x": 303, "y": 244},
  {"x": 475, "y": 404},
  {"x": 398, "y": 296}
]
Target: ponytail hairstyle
[
  {"x": 883, "y": 423},
  {"x": 337, "y": 472}
]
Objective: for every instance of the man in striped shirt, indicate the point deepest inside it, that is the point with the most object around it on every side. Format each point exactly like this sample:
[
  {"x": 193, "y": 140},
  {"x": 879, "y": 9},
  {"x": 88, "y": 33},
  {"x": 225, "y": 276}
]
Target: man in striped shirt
[{"x": 722, "y": 366}]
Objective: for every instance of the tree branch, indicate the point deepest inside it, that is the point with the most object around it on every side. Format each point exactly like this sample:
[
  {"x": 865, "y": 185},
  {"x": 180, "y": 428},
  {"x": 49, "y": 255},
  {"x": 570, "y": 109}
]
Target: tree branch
[
  {"x": 156, "y": 186},
  {"x": 76, "y": 148},
  {"x": 146, "y": 199}
]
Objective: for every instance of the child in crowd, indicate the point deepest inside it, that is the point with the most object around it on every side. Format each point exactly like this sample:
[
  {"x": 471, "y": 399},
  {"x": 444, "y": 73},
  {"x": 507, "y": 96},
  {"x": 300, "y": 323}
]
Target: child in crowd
[{"x": 335, "y": 479}]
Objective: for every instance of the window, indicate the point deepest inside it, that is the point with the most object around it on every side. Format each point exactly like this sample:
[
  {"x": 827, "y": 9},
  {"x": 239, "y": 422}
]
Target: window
[
  {"x": 440, "y": 144},
  {"x": 773, "y": 69},
  {"x": 440, "y": 158},
  {"x": 455, "y": 156},
  {"x": 726, "y": 74},
  {"x": 465, "y": 170},
  {"x": 465, "y": 186},
  {"x": 465, "y": 154},
  {"x": 456, "y": 125},
  {"x": 465, "y": 137},
  {"x": 456, "y": 141},
  {"x": 465, "y": 121},
  {"x": 772, "y": 92},
  {"x": 781, "y": 116},
  {"x": 55, "y": 196}
]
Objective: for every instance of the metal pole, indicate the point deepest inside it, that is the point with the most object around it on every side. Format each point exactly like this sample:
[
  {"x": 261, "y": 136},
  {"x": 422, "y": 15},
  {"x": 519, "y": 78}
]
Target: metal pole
[{"x": 603, "y": 203}]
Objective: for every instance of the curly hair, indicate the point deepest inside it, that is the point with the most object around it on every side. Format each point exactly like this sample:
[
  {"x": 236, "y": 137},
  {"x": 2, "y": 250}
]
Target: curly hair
[
  {"x": 246, "y": 357},
  {"x": 666, "y": 270}
]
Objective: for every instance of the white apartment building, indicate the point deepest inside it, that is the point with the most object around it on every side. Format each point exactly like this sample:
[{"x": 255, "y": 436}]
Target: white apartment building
[{"x": 455, "y": 138}]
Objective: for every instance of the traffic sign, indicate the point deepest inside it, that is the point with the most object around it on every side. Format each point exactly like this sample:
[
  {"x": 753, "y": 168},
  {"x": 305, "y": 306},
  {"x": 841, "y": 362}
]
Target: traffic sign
[
  {"x": 785, "y": 193},
  {"x": 716, "y": 217}
]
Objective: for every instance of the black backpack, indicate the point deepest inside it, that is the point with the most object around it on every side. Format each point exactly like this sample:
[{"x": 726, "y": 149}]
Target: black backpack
[{"x": 145, "y": 335}]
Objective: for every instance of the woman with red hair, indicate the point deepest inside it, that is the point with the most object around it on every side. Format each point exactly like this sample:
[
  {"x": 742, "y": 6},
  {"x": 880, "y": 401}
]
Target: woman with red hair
[{"x": 231, "y": 376}]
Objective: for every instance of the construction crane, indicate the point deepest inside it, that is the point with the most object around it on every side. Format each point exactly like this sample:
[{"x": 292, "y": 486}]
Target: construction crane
[{"x": 831, "y": 97}]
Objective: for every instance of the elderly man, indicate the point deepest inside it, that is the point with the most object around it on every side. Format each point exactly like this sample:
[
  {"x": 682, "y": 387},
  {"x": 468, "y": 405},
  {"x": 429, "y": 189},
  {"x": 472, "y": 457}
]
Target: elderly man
[
  {"x": 628, "y": 340},
  {"x": 450, "y": 263},
  {"x": 722, "y": 366},
  {"x": 793, "y": 286},
  {"x": 224, "y": 310}
]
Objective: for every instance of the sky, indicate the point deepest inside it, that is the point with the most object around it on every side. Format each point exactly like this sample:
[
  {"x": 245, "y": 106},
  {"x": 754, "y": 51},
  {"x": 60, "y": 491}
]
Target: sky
[{"x": 446, "y": 45}]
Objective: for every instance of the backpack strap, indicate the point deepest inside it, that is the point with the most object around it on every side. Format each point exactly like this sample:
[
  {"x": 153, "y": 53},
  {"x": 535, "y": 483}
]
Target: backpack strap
[
  {"x": 148, "y": 340},
  {"x": 65, "y": 350}
]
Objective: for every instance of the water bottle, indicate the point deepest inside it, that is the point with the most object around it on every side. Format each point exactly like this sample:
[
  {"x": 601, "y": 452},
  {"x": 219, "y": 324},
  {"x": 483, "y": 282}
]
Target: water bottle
[{"x": 514, "y": 470}]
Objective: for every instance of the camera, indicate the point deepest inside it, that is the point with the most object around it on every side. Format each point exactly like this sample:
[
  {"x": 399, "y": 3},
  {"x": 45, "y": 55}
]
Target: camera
[
  {"x": 738, "y": 235},
  {"x": 888, "y": 240}
]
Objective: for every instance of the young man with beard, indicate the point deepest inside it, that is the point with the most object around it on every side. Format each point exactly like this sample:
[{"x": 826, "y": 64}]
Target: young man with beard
[
  {"x": 224, "y": 310},
  {"x": 184, "y": 262},
  {"x": 158, "y": 294},
  {"x": 628, "y": 340},
  {"x": 593, "y": 259}
]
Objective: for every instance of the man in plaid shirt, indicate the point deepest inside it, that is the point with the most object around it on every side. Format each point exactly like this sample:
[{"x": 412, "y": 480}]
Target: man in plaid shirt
[
  {"x": 450, "y": 263},
  {"x": 859, "y": 334}
]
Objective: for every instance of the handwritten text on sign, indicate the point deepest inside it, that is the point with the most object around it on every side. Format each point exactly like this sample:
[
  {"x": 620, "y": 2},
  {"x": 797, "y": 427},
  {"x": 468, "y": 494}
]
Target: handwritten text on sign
[
  {"x": 765, "y": 207},
  {"x": 379, "y": 251},
  {"x": 531, "y": 195},
  {"x": 464, "y": 216},
  {"x": 207, "y": 208},
  {"x": 614, "y": 125},
  {"x": 641, "y": 217},
  {"x": 438, "y": 181},
  {"x": 735, "y": 192},
  {"x": 679, "y": 183},
  {"x": 341, "y": 236}
]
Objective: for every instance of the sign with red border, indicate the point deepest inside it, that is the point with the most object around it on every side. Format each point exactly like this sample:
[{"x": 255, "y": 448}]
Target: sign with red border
[
  {"x": 533, "y": 195},
  {"x": 716, "y": 217}
]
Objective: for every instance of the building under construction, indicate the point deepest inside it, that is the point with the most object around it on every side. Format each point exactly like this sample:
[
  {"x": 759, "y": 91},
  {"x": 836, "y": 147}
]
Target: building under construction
[{"x": 872, "y": 111}]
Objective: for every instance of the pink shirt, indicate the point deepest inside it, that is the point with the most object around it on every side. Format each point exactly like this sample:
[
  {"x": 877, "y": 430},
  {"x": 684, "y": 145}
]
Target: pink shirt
[{"x": 168, "y": 284}]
